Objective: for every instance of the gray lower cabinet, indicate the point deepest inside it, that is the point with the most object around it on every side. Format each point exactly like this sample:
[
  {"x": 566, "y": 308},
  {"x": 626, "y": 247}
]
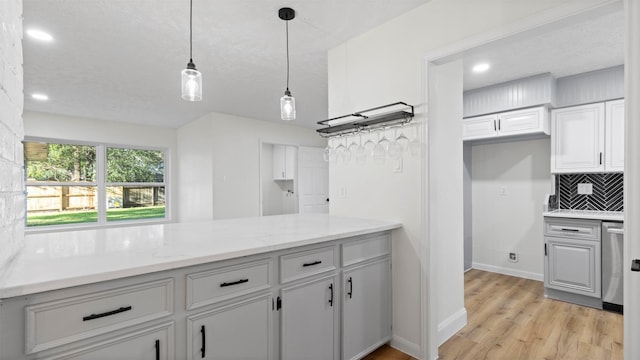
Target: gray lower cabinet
[
  {"x": 308, "y": 320},
  {"x": 286, "y": 304},
  {"x": 240, "y": 330},
  {"x": 572, "y": 260},
  {"x": 366, "y": 319}
]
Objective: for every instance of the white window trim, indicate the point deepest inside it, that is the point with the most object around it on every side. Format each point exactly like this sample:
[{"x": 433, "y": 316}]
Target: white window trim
[{"x": 101, "y": 184}]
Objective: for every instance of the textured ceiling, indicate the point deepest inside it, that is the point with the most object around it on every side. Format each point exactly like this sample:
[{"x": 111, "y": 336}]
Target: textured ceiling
[
  {"x": 121, "y": 59},
  {"x": 565, "y": 48}
]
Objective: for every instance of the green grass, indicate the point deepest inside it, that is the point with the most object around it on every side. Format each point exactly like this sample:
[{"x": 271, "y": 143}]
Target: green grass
[{"x": 75, "y": 217}]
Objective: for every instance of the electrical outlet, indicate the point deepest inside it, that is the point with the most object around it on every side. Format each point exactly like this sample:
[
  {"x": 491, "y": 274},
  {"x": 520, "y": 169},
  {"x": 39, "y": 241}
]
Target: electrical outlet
[
  {"x": 585, "y": 189},
  {"x": 343, "y": 192},
  {"x": 513, "y": 257}
]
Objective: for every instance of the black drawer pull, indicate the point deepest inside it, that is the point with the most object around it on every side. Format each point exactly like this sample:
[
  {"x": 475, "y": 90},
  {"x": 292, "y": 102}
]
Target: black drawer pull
[
  {"x": 241, "y": 281},
  {"x": 204, "y": 339},
  {"x": 350, "y": 293},
  {"x": 312, "y": 263},
  {"x": 574, "y": 230},
  {"x": 331, "y": 297},
  {"x": 108, "y": 313},
  {"x": 157, "y": 349}
]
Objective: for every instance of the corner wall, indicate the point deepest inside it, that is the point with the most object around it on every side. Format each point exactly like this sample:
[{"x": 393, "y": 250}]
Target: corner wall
[
  {"x": 12, "y": 198},
  {"x": 219, "y": 163}
]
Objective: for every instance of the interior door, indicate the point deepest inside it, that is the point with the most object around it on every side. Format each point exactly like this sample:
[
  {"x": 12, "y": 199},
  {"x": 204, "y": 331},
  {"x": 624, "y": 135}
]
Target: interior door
[{"x": 313, "y": 181}]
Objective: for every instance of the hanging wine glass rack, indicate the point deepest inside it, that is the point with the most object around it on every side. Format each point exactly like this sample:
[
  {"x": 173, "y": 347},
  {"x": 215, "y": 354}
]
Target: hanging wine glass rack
[{"x": 378, "y": 117}]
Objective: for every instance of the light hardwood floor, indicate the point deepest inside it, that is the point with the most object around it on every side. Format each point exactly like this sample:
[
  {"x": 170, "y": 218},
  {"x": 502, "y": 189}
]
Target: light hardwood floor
[{"x": 510, "y": 319}]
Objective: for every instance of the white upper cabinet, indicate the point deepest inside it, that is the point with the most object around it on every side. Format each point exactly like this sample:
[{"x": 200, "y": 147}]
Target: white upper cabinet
[
  {"x": 588, "y": 139},
  {"x": 614, "y": 136},
  {"x": 519, "y": 122},
  {"x": 284, "y": 157}
]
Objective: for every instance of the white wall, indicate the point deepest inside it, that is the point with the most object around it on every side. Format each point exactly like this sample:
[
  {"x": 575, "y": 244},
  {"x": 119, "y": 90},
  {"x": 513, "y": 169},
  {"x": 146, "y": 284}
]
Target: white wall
[
  {"x": 12, "y": 199},
  {"x": 219, "y": 160},
  {"x": 52, "y": 126},
  {"x": 382, "y": 66},
  {"x": 522, "y": 170}
]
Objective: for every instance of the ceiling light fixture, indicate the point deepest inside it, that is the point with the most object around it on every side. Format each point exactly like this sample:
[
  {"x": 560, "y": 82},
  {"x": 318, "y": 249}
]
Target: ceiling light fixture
[
  {"x": 287, "y": 102},
  {"x": 39, "y": 35},
  {"x": 481, "y": 67},
  {"x": 41, "y": 97},
  {"x": 191, "y": 77}
]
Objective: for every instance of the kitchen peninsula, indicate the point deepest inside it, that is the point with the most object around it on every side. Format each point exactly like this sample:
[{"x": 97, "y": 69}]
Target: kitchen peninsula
[{"x": 264, "y": 287}]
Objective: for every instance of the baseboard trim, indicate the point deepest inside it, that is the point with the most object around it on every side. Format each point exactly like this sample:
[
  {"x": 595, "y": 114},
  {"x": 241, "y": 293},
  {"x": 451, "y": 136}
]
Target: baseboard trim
[
  {"x": 406, "y": 346},
  {"x": 510, "y": 272},
  {"x": 452, "y": 325}
]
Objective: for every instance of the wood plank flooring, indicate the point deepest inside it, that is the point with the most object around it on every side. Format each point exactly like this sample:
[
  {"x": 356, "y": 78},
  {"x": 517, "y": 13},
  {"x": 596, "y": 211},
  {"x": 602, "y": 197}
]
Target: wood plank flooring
[{"x": 510, "y": 319}]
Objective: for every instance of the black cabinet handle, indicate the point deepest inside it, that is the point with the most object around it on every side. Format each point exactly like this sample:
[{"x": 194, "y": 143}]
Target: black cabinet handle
[
  {"x": 574, "y": 230},
  {"x": 157, "y": 349},
  {"x": 498, "y": 124},
  {"x": 108, "y": 313},
  {"x": 312, "y": 263},
  {"x": 545, "y": 249},
  {"x": 241, "y": 281},
  {"x": 601, "y": 158},
  {"x": 204, "y": 339},
  {"x": 331, "y": 296},
  {"x": 350, "y": 293},
  {"x": 495, "y": 128}
]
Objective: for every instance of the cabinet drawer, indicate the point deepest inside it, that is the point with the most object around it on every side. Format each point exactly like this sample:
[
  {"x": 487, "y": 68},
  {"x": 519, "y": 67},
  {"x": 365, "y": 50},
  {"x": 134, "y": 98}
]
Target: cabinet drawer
[
  {"x": 573, "y": 228},
  {"x": 59, "y": 322},
  {"x": 303, "y": 264},
  {"x": 208, "y": 287},
  {"x": 361, "y": 250}
]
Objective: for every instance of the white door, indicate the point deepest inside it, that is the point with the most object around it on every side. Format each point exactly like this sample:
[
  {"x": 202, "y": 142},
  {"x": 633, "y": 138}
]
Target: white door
[
  {"x": 480, "y": 127},
  {"x": 614, "y": 136},
  {"x": 313, "y": 181},
  {"x": 577, "y": 139},
  {"x": 366, "y": 320},
  {"x": 308, "y": 319},
  {"x": 239, "y": 331}
]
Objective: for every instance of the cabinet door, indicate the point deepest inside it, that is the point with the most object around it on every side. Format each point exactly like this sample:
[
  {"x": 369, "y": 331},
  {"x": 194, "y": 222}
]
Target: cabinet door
[
  {"x": 366, "y": 314},
  {"x": 480, "y": 127},
  {"x": 241, "y": 330},
  {"x": 573, "y": 266},
  {"x": 279, "y": 154},
  {"x": 525, "y": 121},
  {"x": 308, "y": 320},
  {"x": 577, "y": 139},
  {"x": 614, "y": 136},
  {"x": 289, "y": 162},
  {"x": 152, "y": 343}
]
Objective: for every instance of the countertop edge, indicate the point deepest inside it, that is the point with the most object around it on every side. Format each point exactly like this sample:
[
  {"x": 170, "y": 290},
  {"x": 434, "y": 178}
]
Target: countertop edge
[
  {"x": 590, "y": 216},
  {"x": 67, "y": 282}
]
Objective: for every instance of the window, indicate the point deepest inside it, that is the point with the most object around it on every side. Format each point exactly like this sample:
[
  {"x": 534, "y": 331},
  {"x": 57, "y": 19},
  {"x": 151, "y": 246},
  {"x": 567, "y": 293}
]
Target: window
[{"x": 93, "y": 183}]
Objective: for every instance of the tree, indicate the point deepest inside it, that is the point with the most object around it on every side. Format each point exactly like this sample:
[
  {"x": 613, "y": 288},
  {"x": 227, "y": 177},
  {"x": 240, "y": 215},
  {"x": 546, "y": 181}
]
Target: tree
[
  {"x": 65, "y": 163},
  {"x": 132, "y": 165}
]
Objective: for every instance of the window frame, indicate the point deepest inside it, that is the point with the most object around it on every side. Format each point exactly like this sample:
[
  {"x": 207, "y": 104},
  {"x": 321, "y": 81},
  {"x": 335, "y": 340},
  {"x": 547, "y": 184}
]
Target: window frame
[{"x": 101, "y": 185}]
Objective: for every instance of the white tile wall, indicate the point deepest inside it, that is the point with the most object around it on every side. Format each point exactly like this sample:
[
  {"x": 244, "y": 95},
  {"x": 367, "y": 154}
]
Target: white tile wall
[{"x": 12, "y": 198}]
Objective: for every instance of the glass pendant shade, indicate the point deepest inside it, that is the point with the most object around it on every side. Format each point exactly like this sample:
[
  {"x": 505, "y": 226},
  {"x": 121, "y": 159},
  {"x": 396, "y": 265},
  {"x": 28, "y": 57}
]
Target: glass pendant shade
[
  {"x": 287, "y": 106},
  {"x": 191, "y": 83}
]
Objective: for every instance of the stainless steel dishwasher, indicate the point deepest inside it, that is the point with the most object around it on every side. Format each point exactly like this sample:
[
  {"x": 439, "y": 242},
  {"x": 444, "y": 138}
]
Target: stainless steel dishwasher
[{"x": 612, "y": 264}]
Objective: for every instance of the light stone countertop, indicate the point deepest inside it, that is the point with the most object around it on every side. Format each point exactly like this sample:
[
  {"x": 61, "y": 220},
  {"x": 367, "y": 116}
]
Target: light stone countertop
[
  {"x": 56, "y": 260},
  {"x": 586, "y": 214}
]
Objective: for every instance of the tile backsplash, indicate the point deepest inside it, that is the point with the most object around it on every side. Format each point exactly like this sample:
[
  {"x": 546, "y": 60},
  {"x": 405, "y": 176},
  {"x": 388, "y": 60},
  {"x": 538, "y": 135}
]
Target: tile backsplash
[{"x": 607, "y": 192}]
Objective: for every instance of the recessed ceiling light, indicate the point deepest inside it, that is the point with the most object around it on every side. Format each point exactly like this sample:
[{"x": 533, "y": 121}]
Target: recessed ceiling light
[
  {"x": 481, "y": 67},
  {"x": 39, "y": 35},
  {"x": 41, "y": 97}
]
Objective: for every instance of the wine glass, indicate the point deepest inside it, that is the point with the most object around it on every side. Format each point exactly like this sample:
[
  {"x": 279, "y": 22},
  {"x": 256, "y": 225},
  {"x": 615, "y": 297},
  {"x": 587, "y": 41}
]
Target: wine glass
[
  {"x": 402, "y": 139},
  {"x": 340, "y": 150},
  {"x": 353, "y": 148},
  {"x": 394, "y": 150},
  {"x": 368, "y": 146},
  {"x": 380, "y": 150},
  {"x": 329, "y": 152},
  {"x": 361, "y": 153}
]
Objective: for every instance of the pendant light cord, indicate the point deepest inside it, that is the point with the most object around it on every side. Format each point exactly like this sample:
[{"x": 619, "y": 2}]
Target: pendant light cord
[
  {"x": 191, "y": 31},
  {"x": 287, "y": 27}
]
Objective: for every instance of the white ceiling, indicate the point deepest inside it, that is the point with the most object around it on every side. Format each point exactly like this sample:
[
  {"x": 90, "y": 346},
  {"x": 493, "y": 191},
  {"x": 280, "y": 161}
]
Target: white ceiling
[
  {"x": 121, "y": 59},
  {"x": 565, "y": 48}
]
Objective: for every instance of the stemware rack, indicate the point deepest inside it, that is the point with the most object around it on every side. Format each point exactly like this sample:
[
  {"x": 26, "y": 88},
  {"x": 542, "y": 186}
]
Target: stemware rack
[{"x": 382, "y": 116}]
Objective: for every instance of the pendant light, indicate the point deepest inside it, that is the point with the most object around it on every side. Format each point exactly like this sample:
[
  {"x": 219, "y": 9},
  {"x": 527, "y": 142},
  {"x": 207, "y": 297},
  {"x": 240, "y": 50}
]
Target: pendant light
[
  {"x": 287, "y": 102},
  {"x": 191, "y": 77}
]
